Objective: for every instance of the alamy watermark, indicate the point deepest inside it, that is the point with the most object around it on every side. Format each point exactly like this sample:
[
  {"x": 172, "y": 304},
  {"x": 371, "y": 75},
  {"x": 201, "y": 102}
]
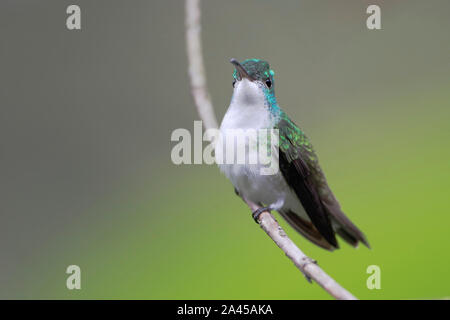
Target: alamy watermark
[
  {"x": 73, "y": 20},
  {"x": 254, "y": 147},
  {"x": 74, "y": 279},
  {"x": 374, "y": 280}
]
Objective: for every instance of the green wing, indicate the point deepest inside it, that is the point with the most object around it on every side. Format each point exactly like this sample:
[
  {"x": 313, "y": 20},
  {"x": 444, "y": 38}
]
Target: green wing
[{"x": 300, "y": 167}]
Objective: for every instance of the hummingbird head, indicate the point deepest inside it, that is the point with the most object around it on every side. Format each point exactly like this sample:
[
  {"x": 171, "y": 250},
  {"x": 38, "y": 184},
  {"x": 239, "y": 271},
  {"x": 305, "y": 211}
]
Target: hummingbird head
[{"x": 253, "y": 80}]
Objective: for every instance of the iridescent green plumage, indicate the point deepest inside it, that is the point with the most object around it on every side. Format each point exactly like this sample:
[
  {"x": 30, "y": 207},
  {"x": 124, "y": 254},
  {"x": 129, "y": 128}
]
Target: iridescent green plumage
[
  {"x": 293, "y": 140},
  {"x": 257, "y": 69}
]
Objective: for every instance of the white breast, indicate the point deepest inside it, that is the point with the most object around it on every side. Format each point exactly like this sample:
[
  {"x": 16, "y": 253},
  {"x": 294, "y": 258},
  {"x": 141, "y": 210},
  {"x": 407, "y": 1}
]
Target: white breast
[{"x": 248, "y": 110}]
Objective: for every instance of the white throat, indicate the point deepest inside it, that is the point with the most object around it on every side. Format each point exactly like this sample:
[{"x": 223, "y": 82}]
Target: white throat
[{"x": 248, "y": 107}]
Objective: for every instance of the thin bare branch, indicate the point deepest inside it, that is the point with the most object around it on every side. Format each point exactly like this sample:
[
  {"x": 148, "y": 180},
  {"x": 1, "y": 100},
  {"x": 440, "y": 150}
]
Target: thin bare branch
[
  {"x": 206, "y": 112},
  {"x": 196, "y": 66}
]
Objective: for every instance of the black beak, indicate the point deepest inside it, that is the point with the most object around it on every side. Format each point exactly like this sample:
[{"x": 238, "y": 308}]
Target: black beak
[{"x": 241, "y": 71}]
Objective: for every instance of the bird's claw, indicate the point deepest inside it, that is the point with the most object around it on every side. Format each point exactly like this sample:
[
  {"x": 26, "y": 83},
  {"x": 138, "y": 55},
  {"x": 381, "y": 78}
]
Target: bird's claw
[{"x": 258, "y": 212}]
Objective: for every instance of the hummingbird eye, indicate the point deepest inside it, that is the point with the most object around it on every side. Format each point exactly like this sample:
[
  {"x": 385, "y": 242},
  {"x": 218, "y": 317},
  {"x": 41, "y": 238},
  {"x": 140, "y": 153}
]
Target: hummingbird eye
[
  {"x": 234, "y": 82},
  {"x": 268, "y": 83}
]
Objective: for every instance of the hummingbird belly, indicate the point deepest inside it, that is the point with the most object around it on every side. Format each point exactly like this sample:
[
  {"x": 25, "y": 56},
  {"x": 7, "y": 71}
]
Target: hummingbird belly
[{"x": 268, "y": 190}]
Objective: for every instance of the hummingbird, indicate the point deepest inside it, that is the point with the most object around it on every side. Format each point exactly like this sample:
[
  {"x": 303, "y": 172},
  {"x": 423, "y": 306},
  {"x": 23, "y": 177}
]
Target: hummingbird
[{"x": 298, "y": 191}]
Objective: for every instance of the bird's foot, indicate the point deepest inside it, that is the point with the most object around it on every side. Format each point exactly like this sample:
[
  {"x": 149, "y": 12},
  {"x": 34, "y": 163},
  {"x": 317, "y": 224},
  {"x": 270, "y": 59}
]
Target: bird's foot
[{"x": 258, "y": 212}]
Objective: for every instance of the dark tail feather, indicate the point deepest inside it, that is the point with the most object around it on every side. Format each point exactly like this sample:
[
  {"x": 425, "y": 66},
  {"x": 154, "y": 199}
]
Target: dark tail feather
[
  {"x": 347, "y": 237},
  {"x": 344, "y": 227},
  {"x": 307, "y": 229}
]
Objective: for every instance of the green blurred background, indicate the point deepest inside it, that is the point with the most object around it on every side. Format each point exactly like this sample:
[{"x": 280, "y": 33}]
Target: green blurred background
[{"x": 86, "y": 175}]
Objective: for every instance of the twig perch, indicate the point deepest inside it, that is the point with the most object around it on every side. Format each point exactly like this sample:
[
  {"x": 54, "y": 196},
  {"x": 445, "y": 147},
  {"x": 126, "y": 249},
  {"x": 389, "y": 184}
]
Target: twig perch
[{"x": 206, "y": 112}]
